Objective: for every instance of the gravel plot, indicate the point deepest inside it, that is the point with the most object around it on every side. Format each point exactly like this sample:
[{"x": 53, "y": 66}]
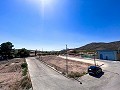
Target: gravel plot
[{"x": 60, "y": 64}]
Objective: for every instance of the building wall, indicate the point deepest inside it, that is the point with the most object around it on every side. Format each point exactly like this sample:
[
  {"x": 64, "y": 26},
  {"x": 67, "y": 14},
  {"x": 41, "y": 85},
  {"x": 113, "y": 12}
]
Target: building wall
[{"x": 107, "y": 55}]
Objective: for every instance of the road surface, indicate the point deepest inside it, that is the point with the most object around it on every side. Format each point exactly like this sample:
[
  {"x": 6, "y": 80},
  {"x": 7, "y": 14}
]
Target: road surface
[
  {"x": 91, "y": 61},
  {"x": 109, "y": 81},
  {"x": 44, "y": 78}
]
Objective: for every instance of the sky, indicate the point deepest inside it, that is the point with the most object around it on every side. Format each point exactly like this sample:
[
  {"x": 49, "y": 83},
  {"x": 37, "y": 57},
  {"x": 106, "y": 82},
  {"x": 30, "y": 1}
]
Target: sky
[{"x": 51, "y": 24}]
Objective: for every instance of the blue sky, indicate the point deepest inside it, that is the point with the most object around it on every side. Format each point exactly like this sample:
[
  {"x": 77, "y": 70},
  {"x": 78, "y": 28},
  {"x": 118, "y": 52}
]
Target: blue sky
[{"x": 51, "y": 24}]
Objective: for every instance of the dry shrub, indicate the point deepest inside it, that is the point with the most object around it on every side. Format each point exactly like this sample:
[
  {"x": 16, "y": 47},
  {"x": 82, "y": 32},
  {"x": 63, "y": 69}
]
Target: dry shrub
[{"x": 75, "y": 74}]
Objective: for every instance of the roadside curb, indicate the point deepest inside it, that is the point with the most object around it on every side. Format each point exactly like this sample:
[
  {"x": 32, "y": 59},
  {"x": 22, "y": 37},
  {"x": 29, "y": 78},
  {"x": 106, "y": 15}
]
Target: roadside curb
[{"x": 29, "y": 76}]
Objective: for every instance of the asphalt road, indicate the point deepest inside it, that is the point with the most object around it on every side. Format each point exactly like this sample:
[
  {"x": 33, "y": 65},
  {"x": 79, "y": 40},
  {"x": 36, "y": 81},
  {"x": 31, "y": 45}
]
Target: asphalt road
[{"x": 44, "y": 78}]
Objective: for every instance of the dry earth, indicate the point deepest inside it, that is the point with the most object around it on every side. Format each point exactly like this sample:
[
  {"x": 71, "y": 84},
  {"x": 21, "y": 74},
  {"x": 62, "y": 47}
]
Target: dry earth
[
  {"x": 60, "y": 64},
  {"x": 11, "y": 77}
]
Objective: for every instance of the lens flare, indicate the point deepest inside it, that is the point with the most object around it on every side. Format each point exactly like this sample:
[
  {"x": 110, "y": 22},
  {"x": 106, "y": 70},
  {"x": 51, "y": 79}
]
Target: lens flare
[{"x": 43, "y": 5}]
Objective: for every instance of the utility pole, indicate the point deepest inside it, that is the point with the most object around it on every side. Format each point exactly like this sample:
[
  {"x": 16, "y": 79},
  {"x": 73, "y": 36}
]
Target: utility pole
[
  {"x": 94, "y": 59},
  {"x": 36, "y": 52},
  {"x": 118, "y": 50},
  {"x": 41, "y": 54},
  {"x": 66, "y": 61}
]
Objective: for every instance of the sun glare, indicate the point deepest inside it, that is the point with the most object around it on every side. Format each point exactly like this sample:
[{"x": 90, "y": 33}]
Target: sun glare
[
  {"x": 43, "y": 5},
  {"x": 47, "y": 2},
  {"x": 43, "y": 2}
]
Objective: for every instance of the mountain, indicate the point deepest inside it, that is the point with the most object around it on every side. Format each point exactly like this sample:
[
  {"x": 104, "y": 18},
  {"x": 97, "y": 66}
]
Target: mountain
[{"x": 101, "y": 46}]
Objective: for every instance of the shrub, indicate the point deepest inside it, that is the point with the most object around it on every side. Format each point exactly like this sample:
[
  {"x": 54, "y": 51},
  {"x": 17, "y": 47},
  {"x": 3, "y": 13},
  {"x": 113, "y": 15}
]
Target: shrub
[
  {"x": 24, "y": 69},
  {"x": 76, "y": 74},
  {"x": 25, "y": 83},
  {"x": 71, "y": 75},
  {"x": 24, "y": 65},
  {"x": 24, "y": 72}
]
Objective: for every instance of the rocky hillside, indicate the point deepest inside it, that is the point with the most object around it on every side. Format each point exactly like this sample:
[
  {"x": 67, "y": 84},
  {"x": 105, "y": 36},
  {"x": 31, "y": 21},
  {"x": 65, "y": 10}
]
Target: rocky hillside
[{"x": 100, "y": 46}]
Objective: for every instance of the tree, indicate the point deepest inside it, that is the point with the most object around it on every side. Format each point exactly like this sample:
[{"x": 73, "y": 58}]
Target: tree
[
  {"x": 23, "y": 53},
  {"x": 6, "y": 50},
  {"x": 0, "y": 54},
  {"x": 0, "y": 51},
  {"x": 75, "y": 52}
]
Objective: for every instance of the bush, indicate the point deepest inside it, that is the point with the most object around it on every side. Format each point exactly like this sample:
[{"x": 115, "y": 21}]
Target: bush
[
  {"x": 24, "y": 72},
  {"x": 25, "y": 83},
  {"x": 25, "y": 69},
  {"x": 24, "y": 65},
  {"x": 76, "y": 74}
]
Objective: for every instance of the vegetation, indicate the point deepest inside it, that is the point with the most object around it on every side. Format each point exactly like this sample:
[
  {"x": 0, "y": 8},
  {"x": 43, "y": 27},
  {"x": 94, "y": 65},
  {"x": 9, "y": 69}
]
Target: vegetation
[
  {"x": 7, "y": 51},
  {"x": 75, "y": 52},
  {"x": 23, "y": 53},
  {"x": 43, "y": 53},
  {"x": 86, "y": 56},
  {"x": 24, "y": 69},
  {"x": 24, "y": 72},
  {"x": 24, "y": 65},
  {"x": 25, "y": 83},
  {"x": 76, "y": 74}
]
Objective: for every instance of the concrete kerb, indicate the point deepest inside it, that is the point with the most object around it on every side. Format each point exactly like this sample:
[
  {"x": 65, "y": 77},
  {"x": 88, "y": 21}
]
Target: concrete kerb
[
  {"x": 29, "y": 75},
  {"x": 58, "y": 71},
  {"x": 30, "y": 79}
]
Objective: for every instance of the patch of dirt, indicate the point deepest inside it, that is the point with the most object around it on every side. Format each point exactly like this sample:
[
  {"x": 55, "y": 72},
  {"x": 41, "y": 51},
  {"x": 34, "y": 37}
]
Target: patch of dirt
[
  {"x": 11, "y": 74},
  {"x": 60, "y": 64}
]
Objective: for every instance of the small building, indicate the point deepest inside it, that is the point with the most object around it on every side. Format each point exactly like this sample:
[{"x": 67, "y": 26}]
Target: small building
[{"x": 107, "y": 54}]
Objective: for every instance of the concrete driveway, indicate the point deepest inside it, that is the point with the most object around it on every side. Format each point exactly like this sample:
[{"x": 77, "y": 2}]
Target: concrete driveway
[
  {"x": 44, "y": 78},
  {"x": 109, "y": 81}
]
